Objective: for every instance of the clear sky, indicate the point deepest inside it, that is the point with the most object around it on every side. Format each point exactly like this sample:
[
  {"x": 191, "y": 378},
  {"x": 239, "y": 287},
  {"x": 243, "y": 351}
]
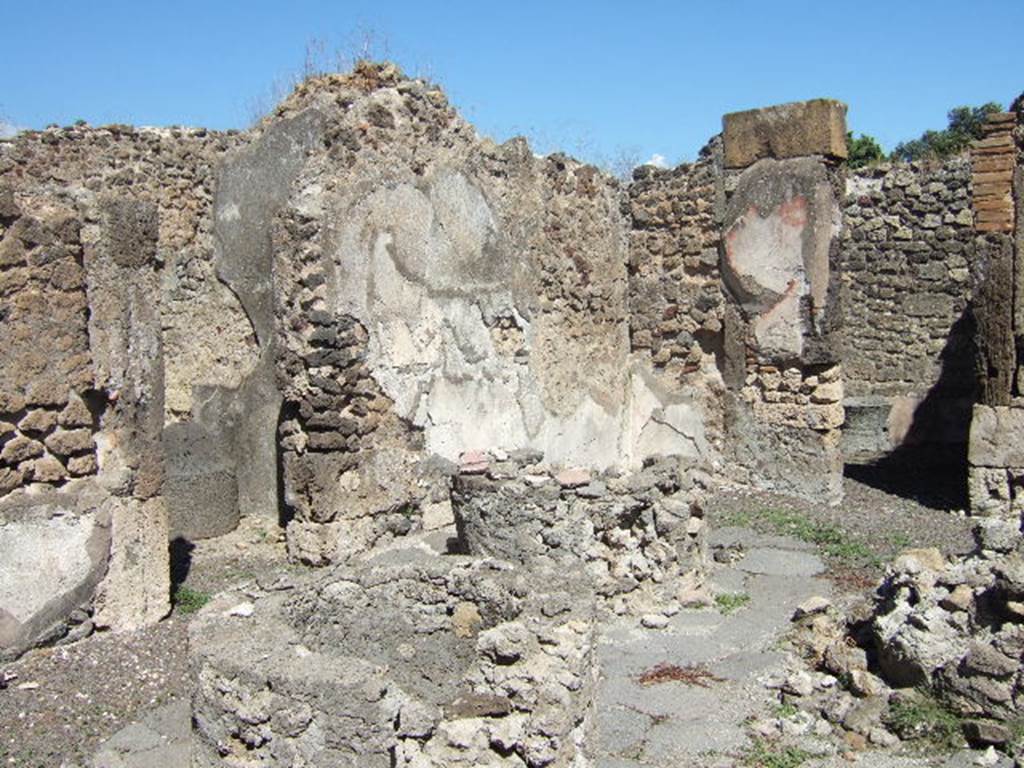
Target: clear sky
[{"x": 600, "y": 80}]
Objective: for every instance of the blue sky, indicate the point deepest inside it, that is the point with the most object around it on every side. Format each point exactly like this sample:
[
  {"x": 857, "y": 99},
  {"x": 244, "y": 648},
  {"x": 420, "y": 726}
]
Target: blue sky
[{"x": 601, "y": 80}]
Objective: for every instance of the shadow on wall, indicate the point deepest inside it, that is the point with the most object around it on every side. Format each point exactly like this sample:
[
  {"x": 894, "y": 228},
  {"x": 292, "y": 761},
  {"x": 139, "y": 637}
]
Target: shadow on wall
[
  {"x": 285, "y": 512},
  {"x": 930, "y": 463},
  {"x": 180, "y": 560}
]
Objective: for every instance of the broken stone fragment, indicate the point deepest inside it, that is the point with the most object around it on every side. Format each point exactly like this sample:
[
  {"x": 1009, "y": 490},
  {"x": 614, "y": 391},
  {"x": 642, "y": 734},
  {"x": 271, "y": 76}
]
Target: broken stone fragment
[
  {"x": 466, "y": 619},
  {"x": 38, "y": 421},
  {"x": 982, "y": 659},
  {"x": 505, "y": 642},
  {"x": 592, "y": 490},
  {"x": 865, "y": 714},
  {"x": 810, "y": 606},
  {"x": 574, "y": 477},
  {"x": 85, "y": 464},
  {"x": 841, "y": 658},
  {"x": 478, "y": 705},
  {"x": 959, "y": 599},
  {"x": 47, "y": 469},
  {"x": 242, "y": 610},
  {"x": 914, "y": 561},
  {"x": 654, "y": 621},
  {"x": 799, "y": 683},
  {"x": 10, "y": 479},
  {"x": 473, "y": 463},
  {"x": 986, "y": 732},
  {"x": 864, "y": 684},
  {"x": 997, "y": 534}
]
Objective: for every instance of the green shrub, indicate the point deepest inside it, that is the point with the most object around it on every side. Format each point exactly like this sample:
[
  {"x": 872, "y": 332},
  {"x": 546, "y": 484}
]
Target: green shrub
[
  {"x": 862, "y": 150},
  {"x": 964, "y": 126}
]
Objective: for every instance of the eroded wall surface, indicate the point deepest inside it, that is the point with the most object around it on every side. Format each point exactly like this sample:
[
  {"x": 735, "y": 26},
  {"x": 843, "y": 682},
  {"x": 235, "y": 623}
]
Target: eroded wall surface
[
  {"x": 109, "y": 315},
  {"x": 326, "y": 318},
  {"x": 438, "y": 294}
]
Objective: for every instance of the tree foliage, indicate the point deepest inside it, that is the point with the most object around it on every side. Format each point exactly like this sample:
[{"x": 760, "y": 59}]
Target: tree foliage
[
  {"x": 862, "y": 150},
  {"x": 964, "y": 126}
]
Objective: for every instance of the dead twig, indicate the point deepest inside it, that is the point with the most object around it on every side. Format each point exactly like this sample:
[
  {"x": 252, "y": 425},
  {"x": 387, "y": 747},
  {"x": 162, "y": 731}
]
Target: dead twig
[{"x": 690, "y": 674}]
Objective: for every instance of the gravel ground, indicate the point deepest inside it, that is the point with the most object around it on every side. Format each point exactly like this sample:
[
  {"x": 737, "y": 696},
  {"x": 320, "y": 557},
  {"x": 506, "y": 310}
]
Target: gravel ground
[
  {"x": 927, "y": 513},
  {"x": 66, "y": 700}
]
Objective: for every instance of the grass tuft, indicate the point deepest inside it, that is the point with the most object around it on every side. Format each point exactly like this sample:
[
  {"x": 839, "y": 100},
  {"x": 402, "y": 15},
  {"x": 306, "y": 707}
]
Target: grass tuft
[
  {"x": 766, "y": 754},
  {"x": 925, "y": 718},
  {"x": 188, "y": 600},
  {"x": 832, "y": 539},
  {"x": 728, "y": 602}
]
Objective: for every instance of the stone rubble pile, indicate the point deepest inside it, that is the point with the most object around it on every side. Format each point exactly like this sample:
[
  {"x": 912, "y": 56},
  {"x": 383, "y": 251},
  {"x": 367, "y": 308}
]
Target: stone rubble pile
[
  {"x": 641, "y": 537},
  {"x": 940, "y": 639},
  {"x": 485, "y": 655},
  {"x": 413, "y": 659}
]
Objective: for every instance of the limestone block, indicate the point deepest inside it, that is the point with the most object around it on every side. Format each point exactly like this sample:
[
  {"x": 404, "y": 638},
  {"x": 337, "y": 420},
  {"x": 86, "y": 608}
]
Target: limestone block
[
  {"x": 997, "y": 436},
  {"x": 798, "y": 129},
  {"x": 55, "y": 546},
  {"x": 136, "y": 589}
]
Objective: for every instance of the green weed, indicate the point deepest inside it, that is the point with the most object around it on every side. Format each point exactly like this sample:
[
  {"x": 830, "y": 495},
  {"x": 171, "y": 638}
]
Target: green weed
[
  {"x": 785, "y": 710},
  {"x": 728, "y": 602},
  {"x": 188, "y": 600},
  {"x": 766, "y": 754},
  {"x": 924, "y": 717},
  {"x": 833, "y": 540}
]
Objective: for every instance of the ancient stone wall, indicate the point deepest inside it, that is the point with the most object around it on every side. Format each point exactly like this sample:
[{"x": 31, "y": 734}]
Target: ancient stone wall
[
  {"x": 105, "y": 240},
  {"x": 675, "y": 291},
  {"x": 208, "y": 339},
  {"x": 908, "y": 329},
  {"x": 327, "y": 317},
  {"x": 437, "y": 294}
]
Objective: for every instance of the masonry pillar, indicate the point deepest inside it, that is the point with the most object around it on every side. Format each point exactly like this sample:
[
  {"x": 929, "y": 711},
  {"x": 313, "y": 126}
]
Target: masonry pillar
[
  {"x": 783, "y": 183},
  {"x": 996, "y": 450}
]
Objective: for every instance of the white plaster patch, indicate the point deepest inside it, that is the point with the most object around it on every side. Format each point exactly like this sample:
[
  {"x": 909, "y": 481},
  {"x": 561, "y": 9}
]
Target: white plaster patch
[
  {"x": 657, "y": 426},
  {"x": 778, "y": 331},
  {"x": 769, "y": 249},
  {"x": 423, "y": 269},
  {"x": 42, "y": 559}
]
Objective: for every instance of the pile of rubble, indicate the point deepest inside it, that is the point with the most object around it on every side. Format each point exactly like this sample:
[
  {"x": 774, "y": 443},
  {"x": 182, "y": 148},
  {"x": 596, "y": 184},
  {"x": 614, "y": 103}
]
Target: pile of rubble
[
  {"x": 484, "y": 654},
  {"x": 641, "y": 537},
  {"x": 410, "y": 659},
  {"x": 936, "y": 653}
]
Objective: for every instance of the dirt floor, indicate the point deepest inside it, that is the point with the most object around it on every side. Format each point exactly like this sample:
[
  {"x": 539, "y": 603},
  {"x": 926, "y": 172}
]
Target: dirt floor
[{"x": 60, "y": 703}]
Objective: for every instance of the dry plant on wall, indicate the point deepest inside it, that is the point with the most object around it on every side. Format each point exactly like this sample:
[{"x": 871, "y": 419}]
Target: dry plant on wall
[{"x": 320, "y": 58}]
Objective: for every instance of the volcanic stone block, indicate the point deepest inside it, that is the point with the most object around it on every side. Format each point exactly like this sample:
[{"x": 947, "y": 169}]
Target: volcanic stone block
[
  {"x": 798, "y": 129},
  {"x": 200, "y": 488}
]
